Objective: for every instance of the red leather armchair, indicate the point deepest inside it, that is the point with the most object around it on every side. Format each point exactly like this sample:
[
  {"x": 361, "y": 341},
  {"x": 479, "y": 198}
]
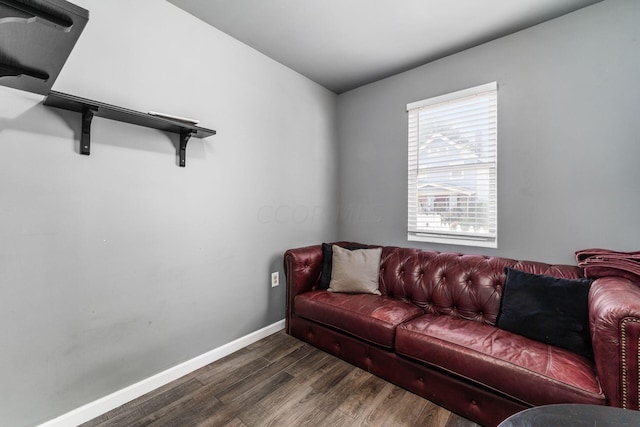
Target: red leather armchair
[{"x": 614, "y": 317}]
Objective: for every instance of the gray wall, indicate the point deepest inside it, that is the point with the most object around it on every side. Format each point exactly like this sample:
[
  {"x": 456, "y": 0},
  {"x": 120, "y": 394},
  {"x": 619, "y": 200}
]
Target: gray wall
[
  {"x": 568, "y": 126},
  {"x": 119, "y": 265}
]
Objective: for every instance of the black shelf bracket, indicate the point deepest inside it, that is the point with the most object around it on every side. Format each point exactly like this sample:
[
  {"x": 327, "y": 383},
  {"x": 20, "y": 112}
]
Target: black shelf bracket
[
  {"x": 7, "y": 70},
  {"x": 85, "y": 138},
  {"x": 185, "y": 135},
  {"x": 36, "y": 38},
  {"x": 19, "y": 10}
]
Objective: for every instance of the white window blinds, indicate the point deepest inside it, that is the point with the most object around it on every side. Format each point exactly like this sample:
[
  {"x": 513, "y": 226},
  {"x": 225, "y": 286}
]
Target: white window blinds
[{"x": 453, "y": 168}]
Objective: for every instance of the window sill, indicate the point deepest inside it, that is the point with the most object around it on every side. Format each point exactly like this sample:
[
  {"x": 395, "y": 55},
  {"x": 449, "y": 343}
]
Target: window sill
[{"x": 450, "y": 240}]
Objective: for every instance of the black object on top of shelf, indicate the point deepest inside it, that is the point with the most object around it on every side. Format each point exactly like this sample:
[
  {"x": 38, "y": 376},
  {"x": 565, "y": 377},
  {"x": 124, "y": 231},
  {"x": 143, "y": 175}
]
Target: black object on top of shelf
[
  {"x": 89, "y": 109},
  {"x": 36, "y": 38}
]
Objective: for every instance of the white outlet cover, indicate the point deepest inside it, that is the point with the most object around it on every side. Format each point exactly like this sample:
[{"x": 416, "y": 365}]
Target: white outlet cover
[{"x": 275, "y": 279}]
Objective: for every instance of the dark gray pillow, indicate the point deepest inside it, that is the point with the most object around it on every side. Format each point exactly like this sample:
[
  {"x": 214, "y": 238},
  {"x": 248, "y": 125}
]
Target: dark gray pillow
[{"x": 548, "y": 309}]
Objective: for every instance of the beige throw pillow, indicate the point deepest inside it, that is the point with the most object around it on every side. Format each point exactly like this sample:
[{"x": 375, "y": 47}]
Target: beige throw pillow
[{"x": 355, "y": 271}]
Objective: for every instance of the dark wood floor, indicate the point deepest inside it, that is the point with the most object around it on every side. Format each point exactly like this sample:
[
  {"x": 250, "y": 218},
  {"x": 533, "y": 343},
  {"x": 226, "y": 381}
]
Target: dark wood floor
[{"x": 280, "y": 381}]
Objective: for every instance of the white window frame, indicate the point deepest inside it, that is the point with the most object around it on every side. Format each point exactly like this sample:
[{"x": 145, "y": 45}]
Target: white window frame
[{"x": 484, "y": 198}]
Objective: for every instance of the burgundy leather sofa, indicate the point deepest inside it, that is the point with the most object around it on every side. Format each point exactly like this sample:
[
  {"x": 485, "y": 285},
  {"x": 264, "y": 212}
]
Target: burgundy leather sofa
[{"x": 432, "y": 332}]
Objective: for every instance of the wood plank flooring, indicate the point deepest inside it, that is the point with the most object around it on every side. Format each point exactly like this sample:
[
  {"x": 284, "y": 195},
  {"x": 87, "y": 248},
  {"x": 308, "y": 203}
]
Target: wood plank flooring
[{"x": 279, "y": 381}]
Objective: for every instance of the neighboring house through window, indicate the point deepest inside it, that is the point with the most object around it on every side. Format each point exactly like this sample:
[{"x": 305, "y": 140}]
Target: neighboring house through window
[{"x": 452, "y": 194}]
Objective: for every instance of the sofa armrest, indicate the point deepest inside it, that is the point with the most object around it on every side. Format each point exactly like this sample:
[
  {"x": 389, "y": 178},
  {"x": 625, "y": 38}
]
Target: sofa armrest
[
  {"x": 614, "y": 316},
  {"x": 302, "y": 267}
]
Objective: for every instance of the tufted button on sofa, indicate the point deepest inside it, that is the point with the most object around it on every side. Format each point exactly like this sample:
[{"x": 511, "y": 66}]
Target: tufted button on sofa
[{"x": 432, "y": 331}]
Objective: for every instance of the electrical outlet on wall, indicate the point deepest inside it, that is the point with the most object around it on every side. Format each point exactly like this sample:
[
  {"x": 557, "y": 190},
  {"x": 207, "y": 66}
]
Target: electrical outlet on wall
[{"x": 275, "y": 279}]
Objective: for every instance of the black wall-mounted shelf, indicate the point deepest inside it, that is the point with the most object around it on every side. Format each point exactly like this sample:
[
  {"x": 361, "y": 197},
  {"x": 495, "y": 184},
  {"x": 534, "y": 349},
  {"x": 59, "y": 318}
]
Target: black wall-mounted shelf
[
  {"x": 89, "y": 109},
  {"x": 36, "y": 38}
]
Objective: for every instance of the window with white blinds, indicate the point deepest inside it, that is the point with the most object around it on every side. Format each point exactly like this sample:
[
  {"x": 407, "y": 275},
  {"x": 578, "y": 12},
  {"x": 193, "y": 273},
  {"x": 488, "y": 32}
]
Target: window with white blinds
[{"x": 453, "y": 168}]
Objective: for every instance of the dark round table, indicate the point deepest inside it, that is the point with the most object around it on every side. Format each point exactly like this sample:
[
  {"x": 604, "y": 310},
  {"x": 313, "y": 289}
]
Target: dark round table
[{"x": 573, "y": 415}]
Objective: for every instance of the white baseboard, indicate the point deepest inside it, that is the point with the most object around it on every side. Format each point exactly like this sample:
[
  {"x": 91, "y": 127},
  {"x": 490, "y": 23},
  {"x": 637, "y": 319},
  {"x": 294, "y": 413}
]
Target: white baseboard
[{"x": 98, "y": 407}]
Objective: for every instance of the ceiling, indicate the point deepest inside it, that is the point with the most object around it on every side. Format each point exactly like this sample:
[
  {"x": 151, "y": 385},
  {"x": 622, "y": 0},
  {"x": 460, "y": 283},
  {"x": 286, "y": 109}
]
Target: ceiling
[{"x": 343, "y": 44}]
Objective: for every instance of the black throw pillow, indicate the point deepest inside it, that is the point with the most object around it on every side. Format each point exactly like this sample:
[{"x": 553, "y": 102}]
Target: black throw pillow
[
  {"x": 548, "y": 309},
  {"x": 327, "y": 261}
]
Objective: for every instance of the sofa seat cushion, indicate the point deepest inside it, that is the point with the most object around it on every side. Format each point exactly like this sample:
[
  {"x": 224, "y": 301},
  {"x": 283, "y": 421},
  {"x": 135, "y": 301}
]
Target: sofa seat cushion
[
  {"x": 370, "y": 317},
  {"x": 530, "y": 371}
]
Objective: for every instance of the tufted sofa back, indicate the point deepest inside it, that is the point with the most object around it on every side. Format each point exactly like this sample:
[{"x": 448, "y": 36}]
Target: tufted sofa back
[{"x": 445, "y": 283}]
